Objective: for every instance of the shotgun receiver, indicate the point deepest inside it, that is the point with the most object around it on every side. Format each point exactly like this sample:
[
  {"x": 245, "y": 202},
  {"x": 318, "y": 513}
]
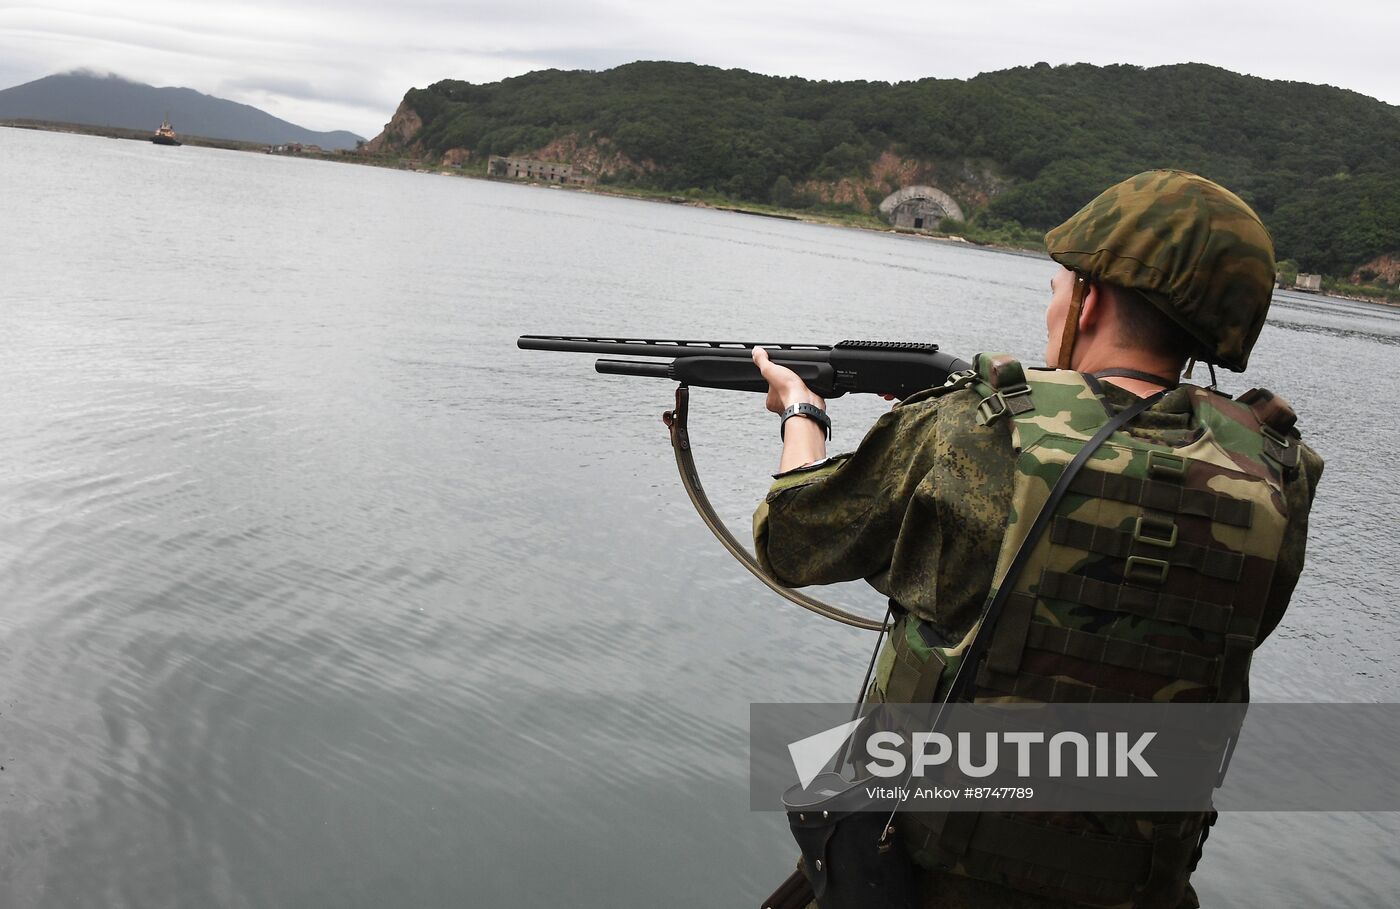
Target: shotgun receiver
[{"x": 895, "y": 368}]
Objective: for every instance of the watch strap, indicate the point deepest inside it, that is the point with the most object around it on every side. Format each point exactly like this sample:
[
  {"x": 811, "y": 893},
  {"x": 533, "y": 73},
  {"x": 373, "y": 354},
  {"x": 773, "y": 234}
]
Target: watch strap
[{"x": 811, "y": 412}]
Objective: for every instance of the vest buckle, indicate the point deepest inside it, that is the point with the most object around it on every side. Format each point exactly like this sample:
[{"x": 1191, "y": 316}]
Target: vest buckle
[
  {"x": 1143, "y": 570},
  {"x": 987, "y": 414},
  {"x": 961, "y": 378},
  {"x": 1155, "y": 532},
  {"x": 1164, "y": 466}
]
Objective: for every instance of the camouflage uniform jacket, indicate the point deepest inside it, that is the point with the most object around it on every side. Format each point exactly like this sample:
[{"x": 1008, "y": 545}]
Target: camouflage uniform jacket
[{"x": 919, "y": 510}]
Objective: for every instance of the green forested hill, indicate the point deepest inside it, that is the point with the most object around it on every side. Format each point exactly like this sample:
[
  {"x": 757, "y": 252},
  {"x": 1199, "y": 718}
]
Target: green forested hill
[{"x": 1027, "y": 145}]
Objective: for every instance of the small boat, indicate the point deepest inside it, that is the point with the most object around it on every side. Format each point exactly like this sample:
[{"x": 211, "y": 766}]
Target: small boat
[{"x": 165, "y": 135}]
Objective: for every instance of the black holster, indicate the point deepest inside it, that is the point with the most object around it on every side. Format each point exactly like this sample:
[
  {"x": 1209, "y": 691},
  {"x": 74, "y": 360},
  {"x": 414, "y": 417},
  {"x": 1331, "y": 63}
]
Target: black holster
[{"x": 850, "y": 858}]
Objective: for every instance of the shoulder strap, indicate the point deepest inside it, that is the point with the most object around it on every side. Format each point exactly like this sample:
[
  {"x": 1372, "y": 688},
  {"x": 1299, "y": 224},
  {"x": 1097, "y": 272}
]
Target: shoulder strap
[
  {"x": 1271, "y": 410},
  {"x": 677, "y": 422},
  {"x": 999, "y": 370},
  {"x": 1164, "y": 381},
  {"x": 1002, "y": 383},
  {"x": 1059, "y": 402},
  {"x": 1260, "y": 410}
]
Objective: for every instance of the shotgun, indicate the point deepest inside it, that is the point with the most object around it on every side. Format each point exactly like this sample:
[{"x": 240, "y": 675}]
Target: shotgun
[{"x": 896, "y": 368}]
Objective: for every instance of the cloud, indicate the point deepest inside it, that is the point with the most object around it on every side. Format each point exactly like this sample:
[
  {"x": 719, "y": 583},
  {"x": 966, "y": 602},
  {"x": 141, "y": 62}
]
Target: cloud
[
  {"x": 278, "y": 86},
  {"x": 98, "y": 74}
]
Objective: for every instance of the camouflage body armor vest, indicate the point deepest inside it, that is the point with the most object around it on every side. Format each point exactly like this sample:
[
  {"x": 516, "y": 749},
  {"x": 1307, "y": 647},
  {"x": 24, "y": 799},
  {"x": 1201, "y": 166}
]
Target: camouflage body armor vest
[{"x": 1149, "y": 584}]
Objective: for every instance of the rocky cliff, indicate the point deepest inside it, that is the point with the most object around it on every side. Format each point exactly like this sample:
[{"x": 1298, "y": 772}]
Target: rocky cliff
[
  {"x": 1382, "y": 270},
  {"x": 973, "y": 185},
  {"x": 399, "y": 132}
]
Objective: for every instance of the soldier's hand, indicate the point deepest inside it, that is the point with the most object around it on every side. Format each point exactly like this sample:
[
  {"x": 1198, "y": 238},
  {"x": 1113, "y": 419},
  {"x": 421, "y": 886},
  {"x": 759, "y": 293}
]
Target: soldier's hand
[{"x": 785, "y": 387}]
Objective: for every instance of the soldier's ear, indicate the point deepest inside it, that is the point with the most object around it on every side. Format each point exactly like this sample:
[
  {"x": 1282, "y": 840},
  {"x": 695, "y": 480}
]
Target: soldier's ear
[{"x": 1091, "y": 311}]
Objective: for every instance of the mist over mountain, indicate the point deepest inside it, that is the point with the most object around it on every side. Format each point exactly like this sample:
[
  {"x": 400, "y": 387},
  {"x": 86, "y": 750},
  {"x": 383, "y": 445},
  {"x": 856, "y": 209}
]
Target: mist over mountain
[{"x": 108, "y": 100}]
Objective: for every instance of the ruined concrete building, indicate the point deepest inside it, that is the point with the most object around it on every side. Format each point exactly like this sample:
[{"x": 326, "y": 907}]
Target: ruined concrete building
[
  {"x": 530, "y": 169},
  {"x": 919, "y": 207}
]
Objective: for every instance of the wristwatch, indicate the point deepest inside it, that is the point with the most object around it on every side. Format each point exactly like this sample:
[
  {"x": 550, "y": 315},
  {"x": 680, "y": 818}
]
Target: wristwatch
[{"x": 811, "y": 412}]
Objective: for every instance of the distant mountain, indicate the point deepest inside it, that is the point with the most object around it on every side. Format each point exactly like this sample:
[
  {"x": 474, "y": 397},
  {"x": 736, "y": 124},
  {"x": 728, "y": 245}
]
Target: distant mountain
[{"x": 114, "y": 101}]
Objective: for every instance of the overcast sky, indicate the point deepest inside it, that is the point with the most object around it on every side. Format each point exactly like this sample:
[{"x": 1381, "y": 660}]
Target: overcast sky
[{"x": 345, "y": 64}]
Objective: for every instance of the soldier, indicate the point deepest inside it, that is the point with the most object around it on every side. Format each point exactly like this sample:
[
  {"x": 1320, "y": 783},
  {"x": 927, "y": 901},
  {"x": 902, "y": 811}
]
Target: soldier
[{"x": 1182, "y": 547}]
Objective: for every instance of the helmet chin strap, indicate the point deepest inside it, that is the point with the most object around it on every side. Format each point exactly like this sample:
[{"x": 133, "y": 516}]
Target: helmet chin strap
[{"x": 1071, "y": 327}]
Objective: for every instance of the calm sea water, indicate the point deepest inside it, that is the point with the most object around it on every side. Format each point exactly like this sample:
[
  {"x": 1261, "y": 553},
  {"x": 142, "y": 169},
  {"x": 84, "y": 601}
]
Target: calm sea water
[{"x": 316, "y": 592}]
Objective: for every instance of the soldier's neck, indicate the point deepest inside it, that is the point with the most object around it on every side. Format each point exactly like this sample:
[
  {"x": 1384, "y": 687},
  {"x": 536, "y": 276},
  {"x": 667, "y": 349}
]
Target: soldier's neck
[{"x": 1094, "y": 358}]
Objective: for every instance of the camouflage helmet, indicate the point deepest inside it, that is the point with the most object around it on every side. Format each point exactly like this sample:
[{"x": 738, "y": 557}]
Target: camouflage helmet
[{"x": 1191, "y": 247}]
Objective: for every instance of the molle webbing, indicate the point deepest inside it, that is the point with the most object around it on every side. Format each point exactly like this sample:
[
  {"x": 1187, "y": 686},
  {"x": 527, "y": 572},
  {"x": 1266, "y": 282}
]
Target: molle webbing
[
  {"x": 993, "y": 846},
  {"x": 1164, "y": 496},
  {"x": 1050, "y": 690},
  {"x": 1018, "y": 628},
  {"x": 1110, "y": 651},
  {"x": 1024, "y": 548},
  {"x": 1005, "y": 672},
  {"x": 1004, "y": 651},
  {"x": 1149, "y": 604},
  {"x": 1208, "y": 560}
]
